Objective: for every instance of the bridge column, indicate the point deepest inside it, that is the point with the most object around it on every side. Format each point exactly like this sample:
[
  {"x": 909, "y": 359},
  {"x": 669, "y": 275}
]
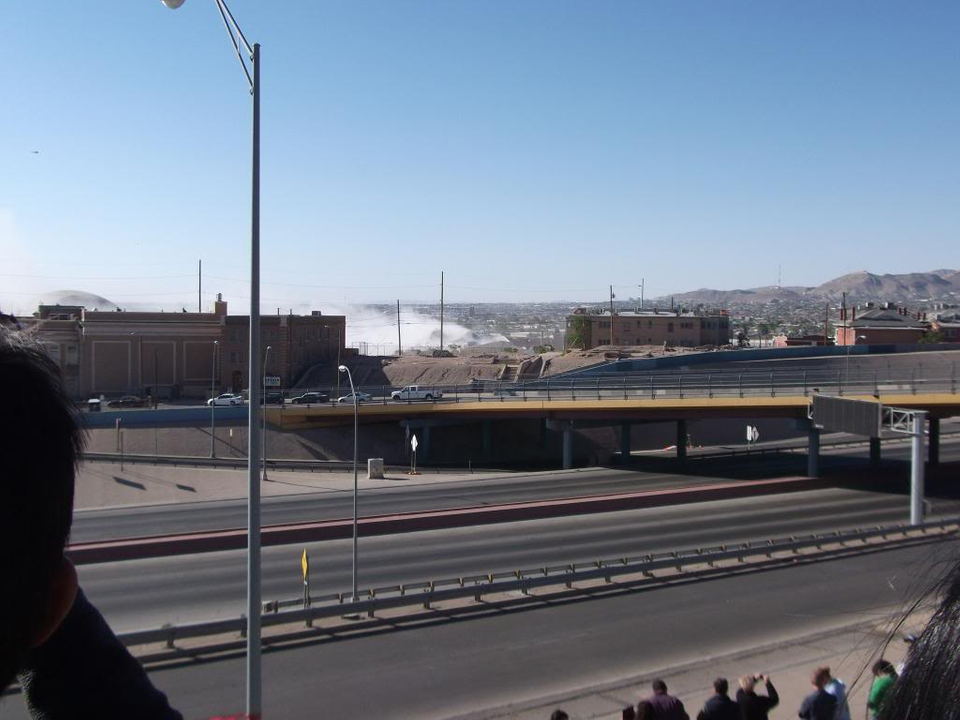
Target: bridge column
[
  {"x": 813, "y": 453},
  {"x": 487, "y": 438},
  {"x": 933, "y": 454},
  {"x": 874, "y": 451},
  {"x": 681, "y": 440},
  {"x": 567, "y": 445},
  {"x": 624, "y": 443},
  {"x": 423, "y": 446}
]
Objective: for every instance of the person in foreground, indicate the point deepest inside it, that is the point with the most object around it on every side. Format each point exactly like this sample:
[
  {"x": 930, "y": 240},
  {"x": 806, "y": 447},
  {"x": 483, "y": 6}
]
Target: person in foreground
[
  {"x": 819, "y": 705},
  {"x": 665, "y": 706},
  {"x": 720, "y": 706},
  {"x": 51, "y": 638},
  {"x": 753, "y": 706}
]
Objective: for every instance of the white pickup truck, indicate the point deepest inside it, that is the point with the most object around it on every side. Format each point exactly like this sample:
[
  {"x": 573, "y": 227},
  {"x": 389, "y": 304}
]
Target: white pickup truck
[{"x": 416, "y": 392}]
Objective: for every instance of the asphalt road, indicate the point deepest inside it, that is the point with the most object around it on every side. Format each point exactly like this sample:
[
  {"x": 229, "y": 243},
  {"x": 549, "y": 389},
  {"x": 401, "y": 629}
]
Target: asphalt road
[
  {"x": 148, "y": 593},
  {"x": 456, "y": 664},
  {"x": 114, "y": 523}
]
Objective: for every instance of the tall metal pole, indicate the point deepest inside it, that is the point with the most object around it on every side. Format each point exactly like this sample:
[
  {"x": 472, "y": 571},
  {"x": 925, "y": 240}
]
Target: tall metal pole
[
  {"x": 213, "y": 402},
  {"x": 200, "y": 285},
  {"x": 441, "y": 310},
  {"x": 611, "y": 314},
  {"x": 266, "y": 362},
  {"x": 399, "y": 343},
  {"x": 916, "y": 468},
  {"x": 356, "y": 436},
  {"x": 254, "y": 698}
]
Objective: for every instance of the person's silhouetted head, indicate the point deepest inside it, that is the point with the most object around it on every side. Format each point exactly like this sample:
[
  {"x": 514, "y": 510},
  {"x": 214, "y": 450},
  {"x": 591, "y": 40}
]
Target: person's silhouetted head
[
  {"x": 41, "y": 446},
  {"x": 721, "y": 686},
  {"x": 659, "y": 687},
  {"x": 559, "y": 715}
]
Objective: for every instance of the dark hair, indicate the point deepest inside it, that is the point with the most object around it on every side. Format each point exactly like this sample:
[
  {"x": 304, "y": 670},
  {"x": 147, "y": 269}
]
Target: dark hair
[
  {"x": 721, "y": 686},
  {"x": 644, "y": 710},
  {"x": 42, "y": 445},
  {"x": 883, "y": 667},
  {"x": 659, "y": 686},
  {"x": 559, "y": 715}
]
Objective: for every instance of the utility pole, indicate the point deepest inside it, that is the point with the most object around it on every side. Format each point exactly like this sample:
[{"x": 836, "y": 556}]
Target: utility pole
[
  {"x": 611, "y": 314},
  {"x": 641, "y": 294},
  {"x": 200, "y": 285},
  {"x": 441, "y": 310},
  {"x": 399, "y": 344},
  {"x": 826, "y": 321}
]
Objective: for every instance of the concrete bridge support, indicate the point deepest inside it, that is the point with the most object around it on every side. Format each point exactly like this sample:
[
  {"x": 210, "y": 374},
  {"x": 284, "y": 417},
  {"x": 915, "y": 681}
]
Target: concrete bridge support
[
  {"x": 874, "y": 452},
  {"x": 681, "y": 440},
  {"x": 813, "y": 452},
  {"x": 487, "y": 438},
  {"x": 624, "y": 443},
  {"x": 568, "y": 446},
  {"x": 933, "y": 456}
]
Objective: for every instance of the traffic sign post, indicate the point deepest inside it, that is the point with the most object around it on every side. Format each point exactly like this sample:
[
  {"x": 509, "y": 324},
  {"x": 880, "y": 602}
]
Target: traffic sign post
[
  {"x": 413, "y": 456},
  {"x": 305, "y": 567}
]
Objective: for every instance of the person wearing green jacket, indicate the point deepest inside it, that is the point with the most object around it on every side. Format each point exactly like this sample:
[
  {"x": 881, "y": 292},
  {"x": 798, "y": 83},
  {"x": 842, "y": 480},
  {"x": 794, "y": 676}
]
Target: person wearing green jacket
[{"x": 884, "y": 678}]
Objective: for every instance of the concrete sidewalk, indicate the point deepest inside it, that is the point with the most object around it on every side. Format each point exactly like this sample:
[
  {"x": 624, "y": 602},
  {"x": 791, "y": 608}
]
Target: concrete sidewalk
[
  {"x": 104, "y": 484},
  {"x": 849, "y": 652}
]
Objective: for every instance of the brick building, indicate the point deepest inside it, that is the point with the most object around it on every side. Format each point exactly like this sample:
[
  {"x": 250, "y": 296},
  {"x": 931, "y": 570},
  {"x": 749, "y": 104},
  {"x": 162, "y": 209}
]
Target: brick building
[
  {"x": 879, "y": 326},
  {"x": 173, "y": 355},
  {"x": 586, "y": 329}
]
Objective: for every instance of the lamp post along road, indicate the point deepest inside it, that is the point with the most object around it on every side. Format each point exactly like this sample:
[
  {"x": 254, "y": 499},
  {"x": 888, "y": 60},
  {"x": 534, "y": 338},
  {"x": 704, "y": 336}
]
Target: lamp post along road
[
  {"x": 266, "y": 362},
  {"x": 356, "y": 435},
  {"x": 252, "y": 53},
  {"x": 213, "y": 402}
]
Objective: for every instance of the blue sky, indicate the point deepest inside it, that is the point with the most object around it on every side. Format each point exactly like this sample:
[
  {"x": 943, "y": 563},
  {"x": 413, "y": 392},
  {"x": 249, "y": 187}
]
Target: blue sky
[{"x": 531, "y": 150}]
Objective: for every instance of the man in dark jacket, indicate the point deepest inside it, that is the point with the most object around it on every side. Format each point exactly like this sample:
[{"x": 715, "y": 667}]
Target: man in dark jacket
[
  {"x": 720, "y": 706},
  {"x": 819, "y": 705},
  {"x": 753, "y": 706},
  {"x": 665, "y": 707}
]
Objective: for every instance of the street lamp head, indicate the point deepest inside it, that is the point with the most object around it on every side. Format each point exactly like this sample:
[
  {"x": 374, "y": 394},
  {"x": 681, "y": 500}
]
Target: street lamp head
[
  {"x": 342, "y": 368},
  {"x": 172, "y": 4}
]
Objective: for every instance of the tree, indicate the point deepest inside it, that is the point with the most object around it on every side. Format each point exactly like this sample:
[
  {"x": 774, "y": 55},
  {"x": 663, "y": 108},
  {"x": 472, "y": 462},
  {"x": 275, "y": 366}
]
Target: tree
[
  {"x": 932, "y": 336},
  {"x": 579, "y": 329}
]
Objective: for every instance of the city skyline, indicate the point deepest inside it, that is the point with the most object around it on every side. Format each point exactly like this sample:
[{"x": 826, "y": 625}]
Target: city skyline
[{"x": 534, "y": 153}]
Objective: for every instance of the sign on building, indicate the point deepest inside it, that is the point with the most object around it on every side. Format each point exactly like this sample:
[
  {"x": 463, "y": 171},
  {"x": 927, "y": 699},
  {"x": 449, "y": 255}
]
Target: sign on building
[
  {"x": 858, "y": 417},
  {"x": 271, "y": 381}
]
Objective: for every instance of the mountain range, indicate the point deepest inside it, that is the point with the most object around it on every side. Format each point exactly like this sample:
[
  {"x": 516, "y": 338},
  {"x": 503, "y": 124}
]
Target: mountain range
[{"x": 863, "y": 286}]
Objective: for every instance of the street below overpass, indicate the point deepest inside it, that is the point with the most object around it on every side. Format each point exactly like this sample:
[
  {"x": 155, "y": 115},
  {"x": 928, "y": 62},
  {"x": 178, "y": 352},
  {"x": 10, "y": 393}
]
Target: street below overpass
[
  {"x": 412, "y": 494},
  {"x": 446, "y": 664}
]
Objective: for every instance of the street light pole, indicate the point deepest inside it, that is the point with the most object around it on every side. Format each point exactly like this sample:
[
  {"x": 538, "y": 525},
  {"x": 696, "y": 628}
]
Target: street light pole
[
  {"x": 266, "y": 361},
  {"x": 356, "y": 423},
  {"x": 252, "y": 54},
  {"x": 213, "y": 400}
]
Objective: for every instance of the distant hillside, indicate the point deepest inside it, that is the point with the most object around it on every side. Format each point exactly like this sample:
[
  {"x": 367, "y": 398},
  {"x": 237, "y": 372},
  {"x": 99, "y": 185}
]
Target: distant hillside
[{"x": 860, "y": 286}]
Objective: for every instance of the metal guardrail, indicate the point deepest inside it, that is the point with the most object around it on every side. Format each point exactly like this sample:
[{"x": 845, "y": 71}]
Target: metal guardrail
[{"x": 476, "y": 586}]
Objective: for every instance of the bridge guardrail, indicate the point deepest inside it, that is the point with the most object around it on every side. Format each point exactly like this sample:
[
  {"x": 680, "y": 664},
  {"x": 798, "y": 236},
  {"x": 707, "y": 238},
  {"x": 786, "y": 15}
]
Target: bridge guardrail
[{"x": 476, "y": 586}]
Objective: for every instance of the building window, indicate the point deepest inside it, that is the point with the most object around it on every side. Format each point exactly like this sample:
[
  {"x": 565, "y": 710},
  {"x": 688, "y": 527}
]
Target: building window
[
  {"x": 234, "y": 335},
  {"x": 649, "y": 324},
  {"x": 236, "y": 357},
  {"x": 669, "y": 327},
  {"x": 605, "y": 324}
]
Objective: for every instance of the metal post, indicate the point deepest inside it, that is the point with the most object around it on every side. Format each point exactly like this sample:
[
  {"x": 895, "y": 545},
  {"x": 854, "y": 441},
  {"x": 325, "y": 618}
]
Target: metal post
[
  {"x": 916, "y": 468},
  {"x": 213, "y": 404},
  {"x": 813, "y": 453},
  {"x": 263, "y": 445},
  {"x": 356, "y": 436},
  {"x": 254, "y": 696},
  {"x": 568, "y": 445}
]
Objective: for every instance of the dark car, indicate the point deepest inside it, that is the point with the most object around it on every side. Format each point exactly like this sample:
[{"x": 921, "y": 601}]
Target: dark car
[
  {"x": 310, "y": 398},
  {"x": 272, "y": 398},
  {"x": 127, "y": 401}
]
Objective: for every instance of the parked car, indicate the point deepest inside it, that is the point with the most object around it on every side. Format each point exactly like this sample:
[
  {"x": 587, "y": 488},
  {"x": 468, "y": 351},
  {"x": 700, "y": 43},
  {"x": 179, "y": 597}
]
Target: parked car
[
  {"x": 127, "y": 401},
  {"x": 348, "y": 399},
  {"x": 416, "y": 392},
  {"x": 272, "y": 398},
  {"x": 226, "y": 399},
  {"x": 310, "y": 398}
]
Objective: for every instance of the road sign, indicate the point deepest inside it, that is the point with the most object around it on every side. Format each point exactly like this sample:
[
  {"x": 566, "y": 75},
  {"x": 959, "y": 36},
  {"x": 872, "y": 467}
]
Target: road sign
[
  {"x": 305, "y": 565},
  {"x": 413, "y": 443},
  {"x": 271, "y": 381},
  {"x": 858, "y": 417},
  {"x": 752, "y": 434}
]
